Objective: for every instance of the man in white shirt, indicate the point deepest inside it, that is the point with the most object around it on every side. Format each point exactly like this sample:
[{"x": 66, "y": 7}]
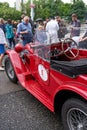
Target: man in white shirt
[{"x": 52, "y": 28}]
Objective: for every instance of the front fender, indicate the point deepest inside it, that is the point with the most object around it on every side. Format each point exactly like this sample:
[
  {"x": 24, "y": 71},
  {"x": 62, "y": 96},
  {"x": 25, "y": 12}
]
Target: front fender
[
  {"x": 76, "y": 88},
  {"x": 17, "y": 62}
]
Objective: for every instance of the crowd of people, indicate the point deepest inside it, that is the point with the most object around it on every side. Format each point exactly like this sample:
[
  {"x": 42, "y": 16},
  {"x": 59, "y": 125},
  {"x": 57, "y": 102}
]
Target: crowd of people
[{"x": 27, "y": 31}]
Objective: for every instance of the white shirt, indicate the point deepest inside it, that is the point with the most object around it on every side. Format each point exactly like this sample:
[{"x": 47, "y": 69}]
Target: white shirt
[
  {"x": 2, "y": 37},
  {"x": 52, "y": 28}
]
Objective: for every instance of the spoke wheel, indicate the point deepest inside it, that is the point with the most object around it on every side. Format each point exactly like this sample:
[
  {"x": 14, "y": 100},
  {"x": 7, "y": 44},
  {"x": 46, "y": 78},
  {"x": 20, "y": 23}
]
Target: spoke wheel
[
  {"x": 10, "y": 70},
  {"x": 74, "y": 115},
  {"x": 77, "y": 119},
  {"x": 68, "y": 45}
]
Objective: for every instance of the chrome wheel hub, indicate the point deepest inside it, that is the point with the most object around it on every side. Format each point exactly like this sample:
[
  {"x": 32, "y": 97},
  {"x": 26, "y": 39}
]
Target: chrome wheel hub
[{"x": 77, "y": 119}]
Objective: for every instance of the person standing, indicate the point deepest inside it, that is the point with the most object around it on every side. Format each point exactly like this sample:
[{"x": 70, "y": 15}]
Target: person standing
[
  {"x": 25, "y": 30},
  {"x": 2, "y": 47},
  {"x": 2, "y": 24},
  {"x": 10, "y": 33},
  {"x": 40, "y": 35},
  {"x": 62, "y": 27},
  {"x": 45, "y": 22},
  {"x": 75, "y": 26},
  {"x": 52, "y": 28},
  {"x": 83, "y": 40}
]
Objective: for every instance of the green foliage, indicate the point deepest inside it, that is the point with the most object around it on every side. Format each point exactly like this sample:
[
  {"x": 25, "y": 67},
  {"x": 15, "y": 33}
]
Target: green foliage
[
  {"x": 79, "y": 8},
  {"x": 7, "y": 12},
  {"x": 11, "y": 13},
  {"x": 5, "y": 5},
  {"x": 45, "y": 8}
]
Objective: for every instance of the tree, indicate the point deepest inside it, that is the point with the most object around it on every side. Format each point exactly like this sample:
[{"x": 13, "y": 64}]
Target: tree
[
  {"x": 45, "y": 9},
  {"x": 5, "y": 5},
  {"x": 7, "y": 12},
  {"x": 79, "y": 8},
  {"x": 65, "y": 10}
]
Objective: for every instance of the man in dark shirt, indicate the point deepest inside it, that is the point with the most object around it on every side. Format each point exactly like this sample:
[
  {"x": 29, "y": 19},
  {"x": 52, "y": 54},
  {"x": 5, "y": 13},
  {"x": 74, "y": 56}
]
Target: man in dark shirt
[
  {"x": 75, "y": 26},
  {"x": 62, "y": 27}
]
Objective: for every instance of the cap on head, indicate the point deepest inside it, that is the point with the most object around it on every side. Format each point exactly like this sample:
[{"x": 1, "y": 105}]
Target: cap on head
[{"x": 74, "y": 15}]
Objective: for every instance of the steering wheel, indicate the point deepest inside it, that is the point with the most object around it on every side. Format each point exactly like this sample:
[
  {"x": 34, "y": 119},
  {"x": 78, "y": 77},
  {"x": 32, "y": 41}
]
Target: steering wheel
[{"x": 70, "y": 48}]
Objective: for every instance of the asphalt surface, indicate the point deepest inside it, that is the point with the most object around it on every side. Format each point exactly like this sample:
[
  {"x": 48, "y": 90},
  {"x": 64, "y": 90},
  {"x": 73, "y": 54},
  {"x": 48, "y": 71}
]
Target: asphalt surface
[{"x": 19, "y": 110}]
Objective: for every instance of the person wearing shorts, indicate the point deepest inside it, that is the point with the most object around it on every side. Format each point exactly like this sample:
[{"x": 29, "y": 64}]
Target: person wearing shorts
[{"x": 2, "y": 47}]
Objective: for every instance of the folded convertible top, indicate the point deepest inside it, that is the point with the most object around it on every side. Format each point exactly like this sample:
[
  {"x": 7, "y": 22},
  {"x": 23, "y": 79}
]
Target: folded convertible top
[{"x": 71, "y": 68}]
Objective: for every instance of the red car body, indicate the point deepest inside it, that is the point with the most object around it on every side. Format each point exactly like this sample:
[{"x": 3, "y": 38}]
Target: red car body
[{"x": 51, "y": 85}]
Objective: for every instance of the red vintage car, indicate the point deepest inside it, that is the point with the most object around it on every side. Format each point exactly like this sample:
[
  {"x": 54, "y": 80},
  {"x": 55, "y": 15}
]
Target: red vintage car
[{"x": 56, "y": 74}]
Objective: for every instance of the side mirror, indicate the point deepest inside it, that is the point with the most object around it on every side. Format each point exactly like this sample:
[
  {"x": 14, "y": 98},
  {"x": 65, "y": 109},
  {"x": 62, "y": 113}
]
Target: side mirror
[{"x": 19, "y": 47}]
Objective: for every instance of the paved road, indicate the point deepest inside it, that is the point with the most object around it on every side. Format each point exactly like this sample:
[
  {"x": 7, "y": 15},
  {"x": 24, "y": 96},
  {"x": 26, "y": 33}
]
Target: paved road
[{"x": 19, "y": 110}]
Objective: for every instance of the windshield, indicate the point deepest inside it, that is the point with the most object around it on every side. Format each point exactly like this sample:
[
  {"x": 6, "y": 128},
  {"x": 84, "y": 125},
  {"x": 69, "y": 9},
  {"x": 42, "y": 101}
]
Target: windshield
[
  {"x": 45, "y": 42},
  {"x": 42, "y": 44}
]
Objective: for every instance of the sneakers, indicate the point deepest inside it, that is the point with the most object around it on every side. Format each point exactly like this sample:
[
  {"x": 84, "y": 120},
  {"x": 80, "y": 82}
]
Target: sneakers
[{"x": 2, "y": 69}]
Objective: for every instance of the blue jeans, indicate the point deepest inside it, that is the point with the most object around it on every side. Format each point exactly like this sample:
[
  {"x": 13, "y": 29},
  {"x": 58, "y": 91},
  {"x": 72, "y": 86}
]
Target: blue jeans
[
  {"x": 26, "y": 40},
  {"x": 11, "y": 42}
]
